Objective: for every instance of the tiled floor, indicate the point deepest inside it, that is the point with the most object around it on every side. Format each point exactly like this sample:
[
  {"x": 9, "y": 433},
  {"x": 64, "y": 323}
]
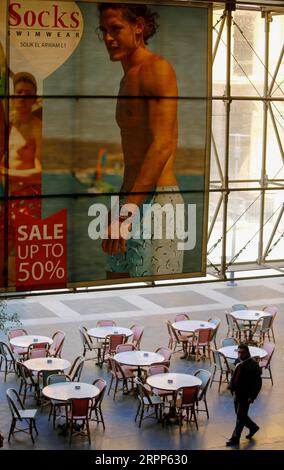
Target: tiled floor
[{"x": 151, "y": 307}]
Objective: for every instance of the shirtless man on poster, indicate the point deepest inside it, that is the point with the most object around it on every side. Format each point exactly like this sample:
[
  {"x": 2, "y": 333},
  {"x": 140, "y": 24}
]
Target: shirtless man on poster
[{"x": 147, "y": 116}]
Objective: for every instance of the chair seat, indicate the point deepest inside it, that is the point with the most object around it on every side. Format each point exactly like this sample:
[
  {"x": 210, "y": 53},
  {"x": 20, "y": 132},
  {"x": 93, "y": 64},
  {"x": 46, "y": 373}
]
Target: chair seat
[
  {"x": 20, "y": 351},
  {"x": 28, "y": 414},
  {"x": 156, "y": 400},
  {"x": 57, "y": 402}
]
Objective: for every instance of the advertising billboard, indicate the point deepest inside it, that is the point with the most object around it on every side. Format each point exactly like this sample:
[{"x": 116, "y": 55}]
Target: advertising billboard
[{"x": 105, "y": 131}]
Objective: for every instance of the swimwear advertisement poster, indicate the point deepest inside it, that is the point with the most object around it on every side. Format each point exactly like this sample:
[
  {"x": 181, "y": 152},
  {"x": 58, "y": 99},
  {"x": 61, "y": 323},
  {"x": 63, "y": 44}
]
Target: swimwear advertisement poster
[{"x": 105, "y": 132}]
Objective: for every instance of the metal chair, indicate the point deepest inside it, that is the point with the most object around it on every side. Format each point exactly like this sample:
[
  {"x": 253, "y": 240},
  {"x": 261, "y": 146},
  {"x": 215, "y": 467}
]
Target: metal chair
[
  {"x": 79, "y": 412},
  {"x": 221, "y": 364},
  {"x": 20, "y": 415},
  {"x": 55, "y": 348},
  {"x": 76, "y": 369},
  {"x": 7, "y": 358},
  {"x": 53, "y": 379},
  {"x": 138, "y": 331},
  {"x": 146, "y": 403},
  {"x": 204, "y": 376},
  {"x": 186, "y": 399},
  {"x": 265, "y": 362},
  {"x": 96, "y": 406}
]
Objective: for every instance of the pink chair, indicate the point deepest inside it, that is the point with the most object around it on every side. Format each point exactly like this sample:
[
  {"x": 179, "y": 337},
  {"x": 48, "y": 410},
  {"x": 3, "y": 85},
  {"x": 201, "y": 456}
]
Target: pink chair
[
  {"x": 166, "y": 353},
  {"x": 80, "y": 410},
  {"x": 176, "y": 339},
  {"x": 56, "y": 347},
  {"x": 38, "y": 350},
  {"x": 181, "y": 317},
  {"x": 201, "y": 341},
  {"x": 119, "y": 374},
  {"x": 186, "y": 399},
  {"x": 106, "y": 323},
  {"x": 137, "y": 335},
  {"x": 21, "y": 352},
  {"x": 159, "y": 369}
]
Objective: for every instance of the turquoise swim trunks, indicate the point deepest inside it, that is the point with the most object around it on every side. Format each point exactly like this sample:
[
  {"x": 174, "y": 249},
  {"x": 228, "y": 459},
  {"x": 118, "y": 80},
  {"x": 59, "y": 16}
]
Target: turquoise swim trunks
[{"x": 149, "y": 256}]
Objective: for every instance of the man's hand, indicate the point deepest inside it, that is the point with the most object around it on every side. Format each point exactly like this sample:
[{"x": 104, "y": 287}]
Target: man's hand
[{"x": 116, "y": 238}]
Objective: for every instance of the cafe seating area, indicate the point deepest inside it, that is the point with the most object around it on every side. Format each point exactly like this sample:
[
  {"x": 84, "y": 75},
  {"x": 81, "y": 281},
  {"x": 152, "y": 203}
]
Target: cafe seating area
[{"x": 121, "y": 380}]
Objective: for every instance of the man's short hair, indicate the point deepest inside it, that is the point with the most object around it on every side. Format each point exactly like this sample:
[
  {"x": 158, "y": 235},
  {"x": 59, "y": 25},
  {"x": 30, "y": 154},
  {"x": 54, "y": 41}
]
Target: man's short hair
[
  {"x": 133, "y": 11},
  {"x": 244, "y": 347},
  {"x": 25, "y": 77}
]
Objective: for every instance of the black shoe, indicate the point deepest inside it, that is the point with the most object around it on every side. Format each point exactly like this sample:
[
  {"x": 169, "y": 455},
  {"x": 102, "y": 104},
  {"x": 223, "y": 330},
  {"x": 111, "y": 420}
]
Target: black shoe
[
  {"x": 252, "y": 432},
  {"x": 232, "y": 442}
]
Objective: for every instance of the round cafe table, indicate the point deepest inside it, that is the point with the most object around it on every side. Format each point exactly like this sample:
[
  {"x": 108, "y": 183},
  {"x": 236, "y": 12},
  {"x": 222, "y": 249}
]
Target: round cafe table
[
  {"x": 192, "y": 325},
  {"x": 26, "y": 340},
  {"x": 172, "y": 381},
  {"x": 101, "y": 332},
  {"x": 64, "y": 391},
  {"x": 47, "y": 363},
  {"x": 138, "y": 359},
  {"x": 249, "y": 315},
  {"x": 231, "y": 352}
]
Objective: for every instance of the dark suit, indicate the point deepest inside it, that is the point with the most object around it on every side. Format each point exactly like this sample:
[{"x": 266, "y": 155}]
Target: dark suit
[{"x": 245, "y": 386}]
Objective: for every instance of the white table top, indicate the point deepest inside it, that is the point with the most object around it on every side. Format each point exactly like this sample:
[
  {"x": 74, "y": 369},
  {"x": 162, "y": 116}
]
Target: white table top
[
  {"x": 192, "y": 325},
  {"x": 43, "y": 363},
  {"x": 138, "y": 358},
  {"x": 231, "y": 352},
  {"x": 63, "y": 391},
  {"x": 161, "y": 381},
  {"x": 26, "y": 340},
  {"x": 103, "y": 331},
  {"x": 249, "y": 315}
]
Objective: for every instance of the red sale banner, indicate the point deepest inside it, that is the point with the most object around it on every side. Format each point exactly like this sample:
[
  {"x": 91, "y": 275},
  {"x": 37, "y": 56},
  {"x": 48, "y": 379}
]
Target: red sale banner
[{"x": 41, "y": 255}]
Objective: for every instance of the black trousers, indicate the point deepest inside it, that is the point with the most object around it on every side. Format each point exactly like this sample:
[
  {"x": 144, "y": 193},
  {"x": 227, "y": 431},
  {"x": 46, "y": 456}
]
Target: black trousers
[{"x": 241, "y": 409}]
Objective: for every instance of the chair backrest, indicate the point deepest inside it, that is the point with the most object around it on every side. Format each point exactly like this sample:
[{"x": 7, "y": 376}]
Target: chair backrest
[
  {"x": 14, "y": 402},
  {"x": 76, "y": 369},
  {"x": 188, "y": 395},
  {"x": 106, "y": 323},
  {"x": 44, "y": 375},
  {"x": 228, "y": 342},
  {"x": 57, "y": 378},
  {"x": 269, "y": 348},
  {"x": 80, "y": 407},
  {"x": 56, "y": 347},
  {"x": 205, "y": 376},
  {"x": 116, "y": 369},
  {"x": 237, "y": 307},
  {"x": 204, "y": 335},
  {"x": 101, "y": 384},
  {"x": 6, "y": 351},
  {"x": 113, "y": 341},
  {"x": 138, "y": 331},
  {"x": 143, "y": 394},
  {"x": 16, "y": 332},
  {"x": 38, "y": 350},
  {"x": 172, "y": 332},
  {"x": 270, "y": 309},
  {"x": 157, "y": 369},
  {"x": 124, "y": 347},
  {"x": 230, "y": 320},
  {"x": 85, "y": 338},
  {"x": 165, "y": 352},
  {"x": 181, "y": 317},
  {"x": 220, "y": 360},
  {"x": 216, "y": 321},
  {"x": 25, "y": 373},
  {"x": 267, "y": 322}
]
